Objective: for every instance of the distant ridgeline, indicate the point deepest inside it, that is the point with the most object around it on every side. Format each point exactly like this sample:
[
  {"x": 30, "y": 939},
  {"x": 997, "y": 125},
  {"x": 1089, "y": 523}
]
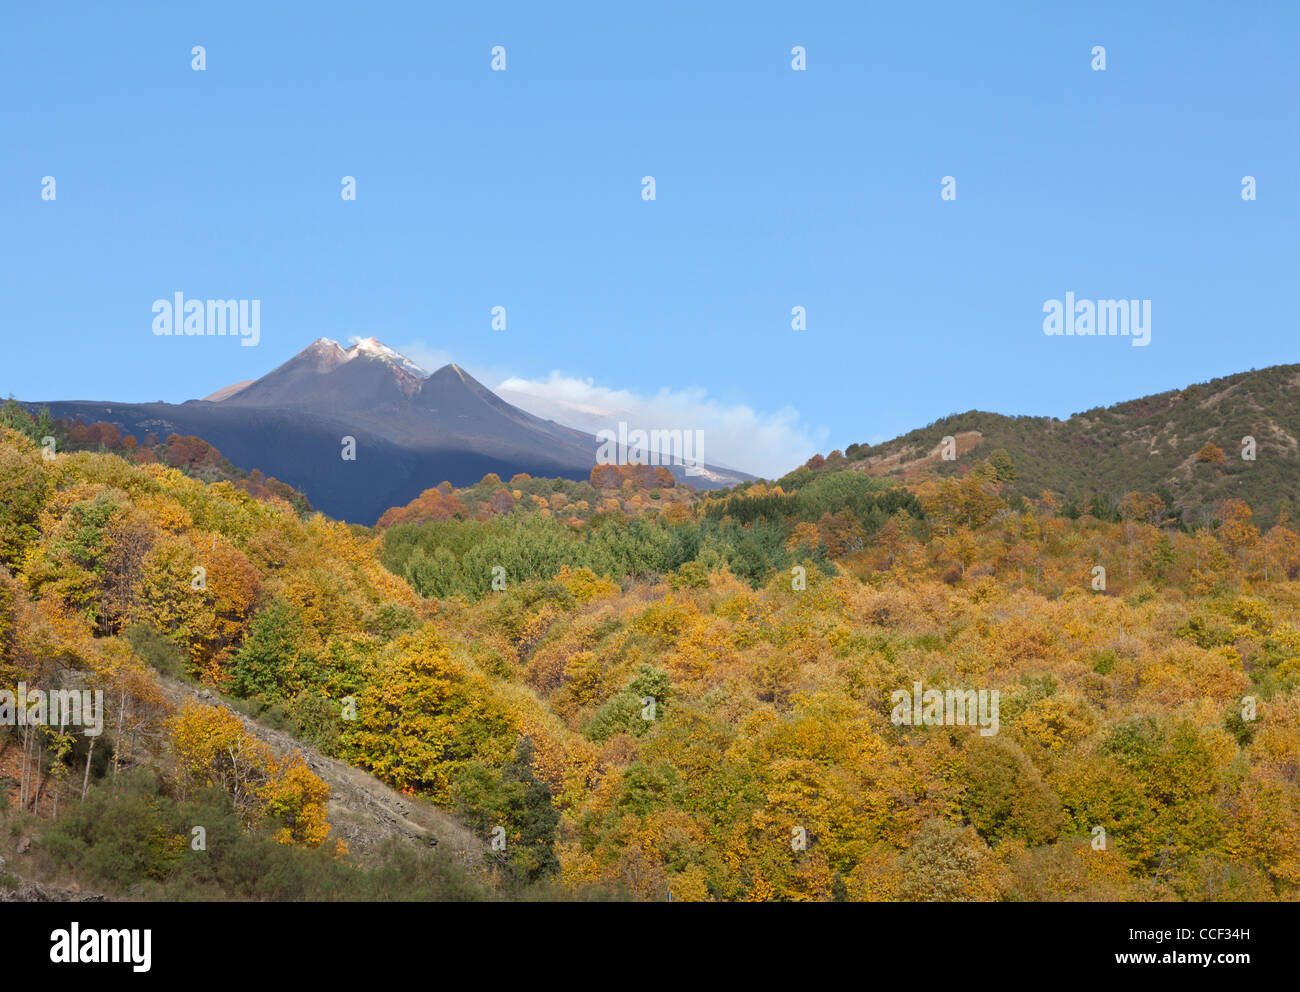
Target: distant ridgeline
[{"x": 1192, "y": 446}]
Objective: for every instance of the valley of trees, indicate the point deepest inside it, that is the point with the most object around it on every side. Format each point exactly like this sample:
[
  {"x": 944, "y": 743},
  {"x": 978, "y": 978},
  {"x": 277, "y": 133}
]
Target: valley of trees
[{"x": 630, "y": 690}]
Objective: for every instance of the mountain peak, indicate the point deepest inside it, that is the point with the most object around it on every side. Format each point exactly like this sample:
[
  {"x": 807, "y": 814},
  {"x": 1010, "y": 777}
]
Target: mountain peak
[
  {"x": 374, "y": 348},
  {"x": 367, "y": 375},
  {"x": 453, "y": 371}
]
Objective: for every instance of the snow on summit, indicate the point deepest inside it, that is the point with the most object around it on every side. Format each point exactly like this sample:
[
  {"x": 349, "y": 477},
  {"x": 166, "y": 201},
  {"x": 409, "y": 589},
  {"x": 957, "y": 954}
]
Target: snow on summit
[{"x": 372, "y": 346}]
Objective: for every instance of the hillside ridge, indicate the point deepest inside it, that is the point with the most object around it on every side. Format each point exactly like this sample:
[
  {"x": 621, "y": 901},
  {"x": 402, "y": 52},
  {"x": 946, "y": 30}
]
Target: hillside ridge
[{"x": 1150, "y": 443}]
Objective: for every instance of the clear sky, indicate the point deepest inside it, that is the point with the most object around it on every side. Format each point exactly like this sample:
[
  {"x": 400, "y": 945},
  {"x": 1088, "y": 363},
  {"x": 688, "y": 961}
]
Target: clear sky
[{"x": 775, "y": 188}]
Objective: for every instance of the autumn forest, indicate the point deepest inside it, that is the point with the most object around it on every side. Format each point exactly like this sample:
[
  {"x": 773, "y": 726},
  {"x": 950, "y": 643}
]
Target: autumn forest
[{"x": 623, "y": 688}]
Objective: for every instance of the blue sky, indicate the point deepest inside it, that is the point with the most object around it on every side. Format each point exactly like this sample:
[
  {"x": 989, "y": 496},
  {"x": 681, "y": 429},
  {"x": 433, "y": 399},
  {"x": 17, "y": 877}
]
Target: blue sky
[{"x": 775, "y": 189}]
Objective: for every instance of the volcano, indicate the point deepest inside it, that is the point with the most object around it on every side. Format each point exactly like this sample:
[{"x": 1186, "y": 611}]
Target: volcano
[{"x": 412, "y": 429}]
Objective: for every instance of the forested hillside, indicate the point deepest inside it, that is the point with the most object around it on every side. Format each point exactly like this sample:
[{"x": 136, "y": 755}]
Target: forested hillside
[
  {"x": 1157, "y": 443},
  {"x": 665, "y": 693},
  {"x": 118, "y": 577}
]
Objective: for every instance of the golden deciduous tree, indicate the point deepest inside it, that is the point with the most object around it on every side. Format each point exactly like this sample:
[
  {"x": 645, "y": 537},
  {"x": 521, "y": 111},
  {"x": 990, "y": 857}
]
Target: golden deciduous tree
[
  {"x": 212, "y": 748},
  {"x": 1211, "y": 453}
]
